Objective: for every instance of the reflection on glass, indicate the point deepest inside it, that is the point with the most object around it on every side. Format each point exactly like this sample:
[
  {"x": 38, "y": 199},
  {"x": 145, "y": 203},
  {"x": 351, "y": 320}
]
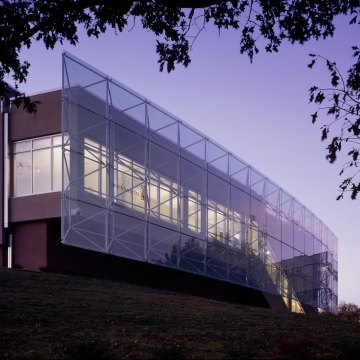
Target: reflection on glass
[
  {"x": 95, "y": 167},
  {"x": 252, "y": 232},
  {"x": 194, "y": 211},
  {"x": 37, "y": 165},
  {"x": 42, "y": 170},
  {"x": 22, "y": 173},
  {"x": 42, "y": 143}
]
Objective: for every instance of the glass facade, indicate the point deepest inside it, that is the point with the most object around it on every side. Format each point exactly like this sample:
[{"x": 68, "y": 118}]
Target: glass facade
[{"x": 141, "y": 184}]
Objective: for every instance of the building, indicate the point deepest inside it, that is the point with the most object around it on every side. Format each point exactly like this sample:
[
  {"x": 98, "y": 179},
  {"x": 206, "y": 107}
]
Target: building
[{"x": 103, "y": 182}]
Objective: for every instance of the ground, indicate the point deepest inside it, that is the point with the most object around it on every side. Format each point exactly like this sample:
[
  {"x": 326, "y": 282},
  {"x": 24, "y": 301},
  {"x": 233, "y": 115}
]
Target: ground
[{"x": 54, "y": 316}]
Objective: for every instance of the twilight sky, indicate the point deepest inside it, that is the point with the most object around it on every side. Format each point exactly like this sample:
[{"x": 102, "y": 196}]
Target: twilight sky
[{"x": 258, "y": 111}]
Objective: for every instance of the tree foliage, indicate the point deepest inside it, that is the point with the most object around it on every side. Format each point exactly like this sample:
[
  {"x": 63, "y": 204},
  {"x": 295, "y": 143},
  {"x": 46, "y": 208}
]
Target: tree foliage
[
  {"x": 175, "y": 23},
  {"x": 349, "y": 311},
  {"x": 261, "y": 25},
  {"x": 341, "y": 102}
]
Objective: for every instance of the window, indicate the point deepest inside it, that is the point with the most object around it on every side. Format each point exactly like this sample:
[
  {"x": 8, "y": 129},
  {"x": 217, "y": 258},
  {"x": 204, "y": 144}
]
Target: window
[
  {"x": 37, "y": 165},
  {"x": 130, "y": 190},
  {"x": 164, "y": 198},
  {"x": 94, "y": 167},
  {"x": 194, "y": 211},
  {"x": 217, "y": 222},
  {"x": 129, "y": 183}
]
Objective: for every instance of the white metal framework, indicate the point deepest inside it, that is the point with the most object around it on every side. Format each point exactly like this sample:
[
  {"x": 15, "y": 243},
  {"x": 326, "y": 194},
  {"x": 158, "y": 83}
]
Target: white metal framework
[{"x": 141, "y": 184}]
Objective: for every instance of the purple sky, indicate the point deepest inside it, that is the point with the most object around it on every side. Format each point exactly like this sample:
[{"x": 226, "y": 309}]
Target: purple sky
[{"x": 258, "y": 111}]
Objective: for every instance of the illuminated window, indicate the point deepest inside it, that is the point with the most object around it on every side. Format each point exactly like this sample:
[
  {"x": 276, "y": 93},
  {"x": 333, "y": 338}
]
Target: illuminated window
[
  {"x": 217, "y": 222},
  {"x": 164, "y": 198},
  {"x": 129, "y": 183},
  {"x": 235, "y": 228},
  {"x": 253, "y": 235},
  {"x": 37, "y": 165},
  {"x": 194, "y": 211},
  {"x": 94, "y": 167}
]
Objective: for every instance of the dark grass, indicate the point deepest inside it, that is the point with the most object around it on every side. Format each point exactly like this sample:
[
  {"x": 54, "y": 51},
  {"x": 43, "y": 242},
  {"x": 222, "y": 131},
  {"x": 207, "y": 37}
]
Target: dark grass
[{"x": 50, "y": 316}]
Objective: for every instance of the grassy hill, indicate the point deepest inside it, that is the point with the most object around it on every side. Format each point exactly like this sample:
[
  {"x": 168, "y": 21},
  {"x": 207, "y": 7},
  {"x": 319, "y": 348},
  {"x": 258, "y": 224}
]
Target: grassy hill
[{"x": 50, "y": 316}]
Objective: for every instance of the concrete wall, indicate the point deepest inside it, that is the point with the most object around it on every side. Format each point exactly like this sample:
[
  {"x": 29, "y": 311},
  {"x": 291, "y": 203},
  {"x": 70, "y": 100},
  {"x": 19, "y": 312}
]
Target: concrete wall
[
  {"x": 30, "y": 246},
  {"x": 35, "y": 207},
  {"x": 46, "y": 121}
]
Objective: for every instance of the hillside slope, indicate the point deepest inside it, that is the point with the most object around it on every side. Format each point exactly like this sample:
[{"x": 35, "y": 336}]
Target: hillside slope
[{"x": 54, "y": 316}]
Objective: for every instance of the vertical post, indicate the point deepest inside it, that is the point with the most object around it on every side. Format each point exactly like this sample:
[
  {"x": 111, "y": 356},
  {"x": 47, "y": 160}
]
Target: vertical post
[
  {"x": 109, "y": 173},
  {"x": 6, "y": 170},
  {"x": 147, "y": 183},
  {"x": 10, "y": 255}
]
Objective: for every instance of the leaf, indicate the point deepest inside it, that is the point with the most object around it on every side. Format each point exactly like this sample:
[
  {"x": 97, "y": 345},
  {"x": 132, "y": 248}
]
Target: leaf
[
  {"x": 325, "y": 132},
  {"x": 334, "y": 79},
  {"x": 314, "y": 117},
  {"x": 353, "y": 20},
  {"x": 320, "y": 97},
  {"x": 311, "y": 64}
]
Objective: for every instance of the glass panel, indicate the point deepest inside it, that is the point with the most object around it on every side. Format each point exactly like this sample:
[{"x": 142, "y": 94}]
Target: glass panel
[
  {"x": 273, "y": 223},
  {"x": 41, "y": 143},
  {"x": 257, "y": 274},
  {"x": 158, "y": 119},
  {"x": 128, "y": 240},
  {"x": 77, "y": 74},
  {"x": 257, "y": 183},
  {"x": 218, "y": 190},
  {"x": 163, "y": 162},
  {"x": 121, "y": 99},
  {"x": 56, "y": 169},
  {"x": 287, "y": 232},
  {"x": 298, "y": 213},
  {"x": 299, "y": 239},
  {"x": 57, "y": 140},
  {"x": 309, "y": 244},
  {"x": 240, "y": 202},
  {"x": 272, "y": 194},
  {"x": 216, "y": 261},
  {"x": 22, "y": 146},
  {"x": 213, "y": 152},
  {"x": 192, "y": 254},
  {"x": 308, "y": 220},
  {"x": 258, "y": 213},
  {"x": 167, "y": 137},
  {"x": 217, "y": 222},
  {"x": 89, "y": 123},
  {"x": 317, "y": 246},
  {"x": 95, "y": 167},
  {"x": 193, "y": 177},
  {"x": 238, "y": 265},
  {"x": 23, "y": 174},
  {"x": 287, "y": 253},
  {"x": 194, "y": 211},
  {"x": 193, "y": 145},
  {"x": 235, "y": 230},
  {"x": 195, "y": 153},
  {"x": 129, "y": 144},
  {"x": 273, "y": 250},
  {"x": 87, "y": 228},
  {"x": 129, "y": 183},
  {"x": 286, "y": 204},
  {"x": 241, "y": 179},
  {"x": 188, "y": 136},
  {"x": 42, "y": 171},
  {"x": 236, "y": 165},
  {"x": 220, "y": 166},
  {"x": 254, "y": 237},
  {"x": 163, "y": 246}
]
